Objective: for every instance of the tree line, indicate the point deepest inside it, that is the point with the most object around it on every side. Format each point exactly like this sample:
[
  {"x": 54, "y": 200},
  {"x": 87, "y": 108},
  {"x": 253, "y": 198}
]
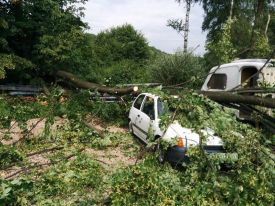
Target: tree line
[{"x": 37, "y": 38}]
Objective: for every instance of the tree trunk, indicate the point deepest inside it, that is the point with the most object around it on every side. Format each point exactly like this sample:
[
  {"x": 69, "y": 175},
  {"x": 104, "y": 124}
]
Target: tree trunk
[
  {"x": 257, "y": 27},
  {"x": 226, "y": 97},
  {"x": 259, "y": 14},
  {"x": 186, "y": 26},
  {"x": 267, "y": 25},
  {"x": 231, "y": 9},
  {"x": 89, "y": 85}
]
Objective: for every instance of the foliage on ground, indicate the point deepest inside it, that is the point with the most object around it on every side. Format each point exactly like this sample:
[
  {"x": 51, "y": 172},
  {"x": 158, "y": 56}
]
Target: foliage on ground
[
  {"x": 69, "y": 175},
  {"x": 72, "y": 176},
  {"x": 245, "y": 182}
]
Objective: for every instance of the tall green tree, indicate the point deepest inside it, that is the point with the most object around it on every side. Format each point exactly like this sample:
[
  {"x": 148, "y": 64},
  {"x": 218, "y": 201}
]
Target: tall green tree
[
  {"x": 248, "y": 31},
  {"x": 221, "y": 50},
  {"x": 27, "y": 25},
  {"x": 121, "y": 43}
]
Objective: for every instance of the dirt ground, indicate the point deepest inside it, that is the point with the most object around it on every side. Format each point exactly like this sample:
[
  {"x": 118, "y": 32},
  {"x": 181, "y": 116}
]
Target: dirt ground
[{"x": 111, "y": 158}]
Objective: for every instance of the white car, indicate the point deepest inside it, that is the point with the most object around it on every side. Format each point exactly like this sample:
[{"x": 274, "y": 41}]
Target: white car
[{"x": 145, "y": 113}]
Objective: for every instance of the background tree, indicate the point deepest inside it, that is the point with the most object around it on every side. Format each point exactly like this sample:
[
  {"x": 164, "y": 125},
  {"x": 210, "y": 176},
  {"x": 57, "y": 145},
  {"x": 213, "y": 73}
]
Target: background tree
[
  {"x": 247, "y": 13},
  {"x": 221, "y": 51},
  {"x": 121, "y": 54},
  {"x": 25, "y": 27},
  {"x": 120, "y": 43},
  {"x": 178, "y": 24}
]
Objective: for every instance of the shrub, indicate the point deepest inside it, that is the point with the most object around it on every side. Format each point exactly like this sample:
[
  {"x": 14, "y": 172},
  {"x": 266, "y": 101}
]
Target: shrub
[
  {"x": 8, "y": 156},
  {"x": 177, "y": 69}
]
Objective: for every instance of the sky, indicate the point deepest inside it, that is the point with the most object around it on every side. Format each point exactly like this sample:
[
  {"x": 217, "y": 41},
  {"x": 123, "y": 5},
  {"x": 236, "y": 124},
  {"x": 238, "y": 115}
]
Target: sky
[{"x": 150, "y": 18}]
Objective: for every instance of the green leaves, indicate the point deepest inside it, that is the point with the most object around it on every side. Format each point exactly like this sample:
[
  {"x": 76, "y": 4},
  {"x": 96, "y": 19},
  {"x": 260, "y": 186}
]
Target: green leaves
[
  {"x": 216, "y": 179},
  {"x": 181, "y": 68},
  {"x": 146, "y": 184},
  {"x": 8, "y": 156},
  {"x": 121, "y": 43},
  {"x": 14, "y": 192},
  {"x": 41, "y": 34},
  {"x": 6, "y": 62},
  {"x": 222, "y": 49}
]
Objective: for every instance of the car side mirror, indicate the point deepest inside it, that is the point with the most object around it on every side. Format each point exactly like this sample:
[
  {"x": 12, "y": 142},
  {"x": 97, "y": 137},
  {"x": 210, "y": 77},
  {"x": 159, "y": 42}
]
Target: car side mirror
[{"x": 152, "y": 116}]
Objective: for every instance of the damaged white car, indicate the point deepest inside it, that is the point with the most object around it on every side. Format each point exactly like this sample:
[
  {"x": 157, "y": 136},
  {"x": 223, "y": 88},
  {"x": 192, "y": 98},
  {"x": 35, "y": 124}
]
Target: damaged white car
[{"x": 145, "y": 115}]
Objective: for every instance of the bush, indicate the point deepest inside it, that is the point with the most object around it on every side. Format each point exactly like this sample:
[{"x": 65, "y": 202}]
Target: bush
[
  {"x": 125, "y": 72},
  {"x": 176, "y": 69},
  {"x": 113, "y": 112},
  {"x": 8, "y": 156}
]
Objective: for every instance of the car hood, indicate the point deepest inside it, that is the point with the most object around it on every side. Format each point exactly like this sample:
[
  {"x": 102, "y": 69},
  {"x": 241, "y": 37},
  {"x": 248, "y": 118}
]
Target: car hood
[{"x": 190, "y": 138}]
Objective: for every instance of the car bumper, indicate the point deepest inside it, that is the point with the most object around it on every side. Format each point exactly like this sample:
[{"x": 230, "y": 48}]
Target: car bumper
[{"x": 178, "y": 155}]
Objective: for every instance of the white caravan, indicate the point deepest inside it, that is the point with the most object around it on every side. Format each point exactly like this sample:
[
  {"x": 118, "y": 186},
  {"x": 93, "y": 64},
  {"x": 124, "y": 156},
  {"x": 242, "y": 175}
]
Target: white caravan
[{"x": 228, "y": 76}]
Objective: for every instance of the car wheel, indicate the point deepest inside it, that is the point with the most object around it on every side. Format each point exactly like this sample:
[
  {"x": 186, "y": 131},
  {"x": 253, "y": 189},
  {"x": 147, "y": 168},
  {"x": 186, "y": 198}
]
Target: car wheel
[
  {"x": 131, "y": 127},
  {"x": 161, "y": 156}
]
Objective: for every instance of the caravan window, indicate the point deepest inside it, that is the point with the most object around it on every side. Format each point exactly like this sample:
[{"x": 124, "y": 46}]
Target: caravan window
[{"x": 217, "y": 81}]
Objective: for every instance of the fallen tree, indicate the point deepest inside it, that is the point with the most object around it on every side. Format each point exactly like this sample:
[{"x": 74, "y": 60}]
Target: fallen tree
[
  {"x": 222, "y": 97},
  {"x": 226, "y": 97},
  {"x": 89, "y": 85}
]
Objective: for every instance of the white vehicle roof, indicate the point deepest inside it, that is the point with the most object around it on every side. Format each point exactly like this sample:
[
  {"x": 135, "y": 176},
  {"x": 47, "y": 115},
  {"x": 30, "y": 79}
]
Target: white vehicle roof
[
  {"x": 240, "y": 63},
  {"x": 233, "y": 72},
  {"x": 149, "y": 94}
]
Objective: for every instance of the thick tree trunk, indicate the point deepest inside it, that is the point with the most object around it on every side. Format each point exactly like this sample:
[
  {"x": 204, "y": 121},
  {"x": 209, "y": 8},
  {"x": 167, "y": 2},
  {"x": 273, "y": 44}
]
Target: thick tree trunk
[
  {"x": 259, "y": 14},
  {"x": 226, "y": 97},
  {"x": 257, "y": 27},
  {"x": 89, "y": 85},
  {"x": 267, "y": 25}
]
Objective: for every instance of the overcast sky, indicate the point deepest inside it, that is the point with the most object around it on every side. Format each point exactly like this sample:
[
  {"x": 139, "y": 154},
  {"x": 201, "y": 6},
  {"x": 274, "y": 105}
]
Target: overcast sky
[{"x": 150, "y": 18}]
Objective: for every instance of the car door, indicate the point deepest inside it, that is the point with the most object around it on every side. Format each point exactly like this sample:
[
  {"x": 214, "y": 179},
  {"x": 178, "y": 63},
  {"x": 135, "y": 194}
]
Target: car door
[
  {"x": 135, "y": 114},
  {"x": 147, "y": 116}
]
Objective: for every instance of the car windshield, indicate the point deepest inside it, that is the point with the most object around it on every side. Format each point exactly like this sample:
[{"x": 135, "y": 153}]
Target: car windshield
[{"x": 163, "y": 108}]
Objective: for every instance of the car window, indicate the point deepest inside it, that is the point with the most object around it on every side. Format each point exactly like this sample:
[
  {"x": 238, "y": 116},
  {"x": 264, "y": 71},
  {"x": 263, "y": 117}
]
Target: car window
[
  {"x": 138, "y": 101},
  {"x": 162, "y": 107},
  {"x": 217, "y": 81},
  {"x": 148, "y": 107}
]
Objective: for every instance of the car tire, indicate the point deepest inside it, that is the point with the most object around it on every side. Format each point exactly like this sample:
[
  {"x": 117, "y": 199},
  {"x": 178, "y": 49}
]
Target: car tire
[
  {"x": 131, "y": 127},
  {"x": 161, "y": 156}
]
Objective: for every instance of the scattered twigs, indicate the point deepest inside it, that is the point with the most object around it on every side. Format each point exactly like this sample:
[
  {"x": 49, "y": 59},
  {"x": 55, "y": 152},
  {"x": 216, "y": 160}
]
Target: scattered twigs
[
  {"x": 45, "y": 151},
  {"x": 98, "y": 131},
  {"x": 29, "y": 131},
  {"x": 11, "y": 126},
  {"x": 26, "y": 169},
  {"x": 35, "y": 125},
  {"x": 100, "y": 161}
]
